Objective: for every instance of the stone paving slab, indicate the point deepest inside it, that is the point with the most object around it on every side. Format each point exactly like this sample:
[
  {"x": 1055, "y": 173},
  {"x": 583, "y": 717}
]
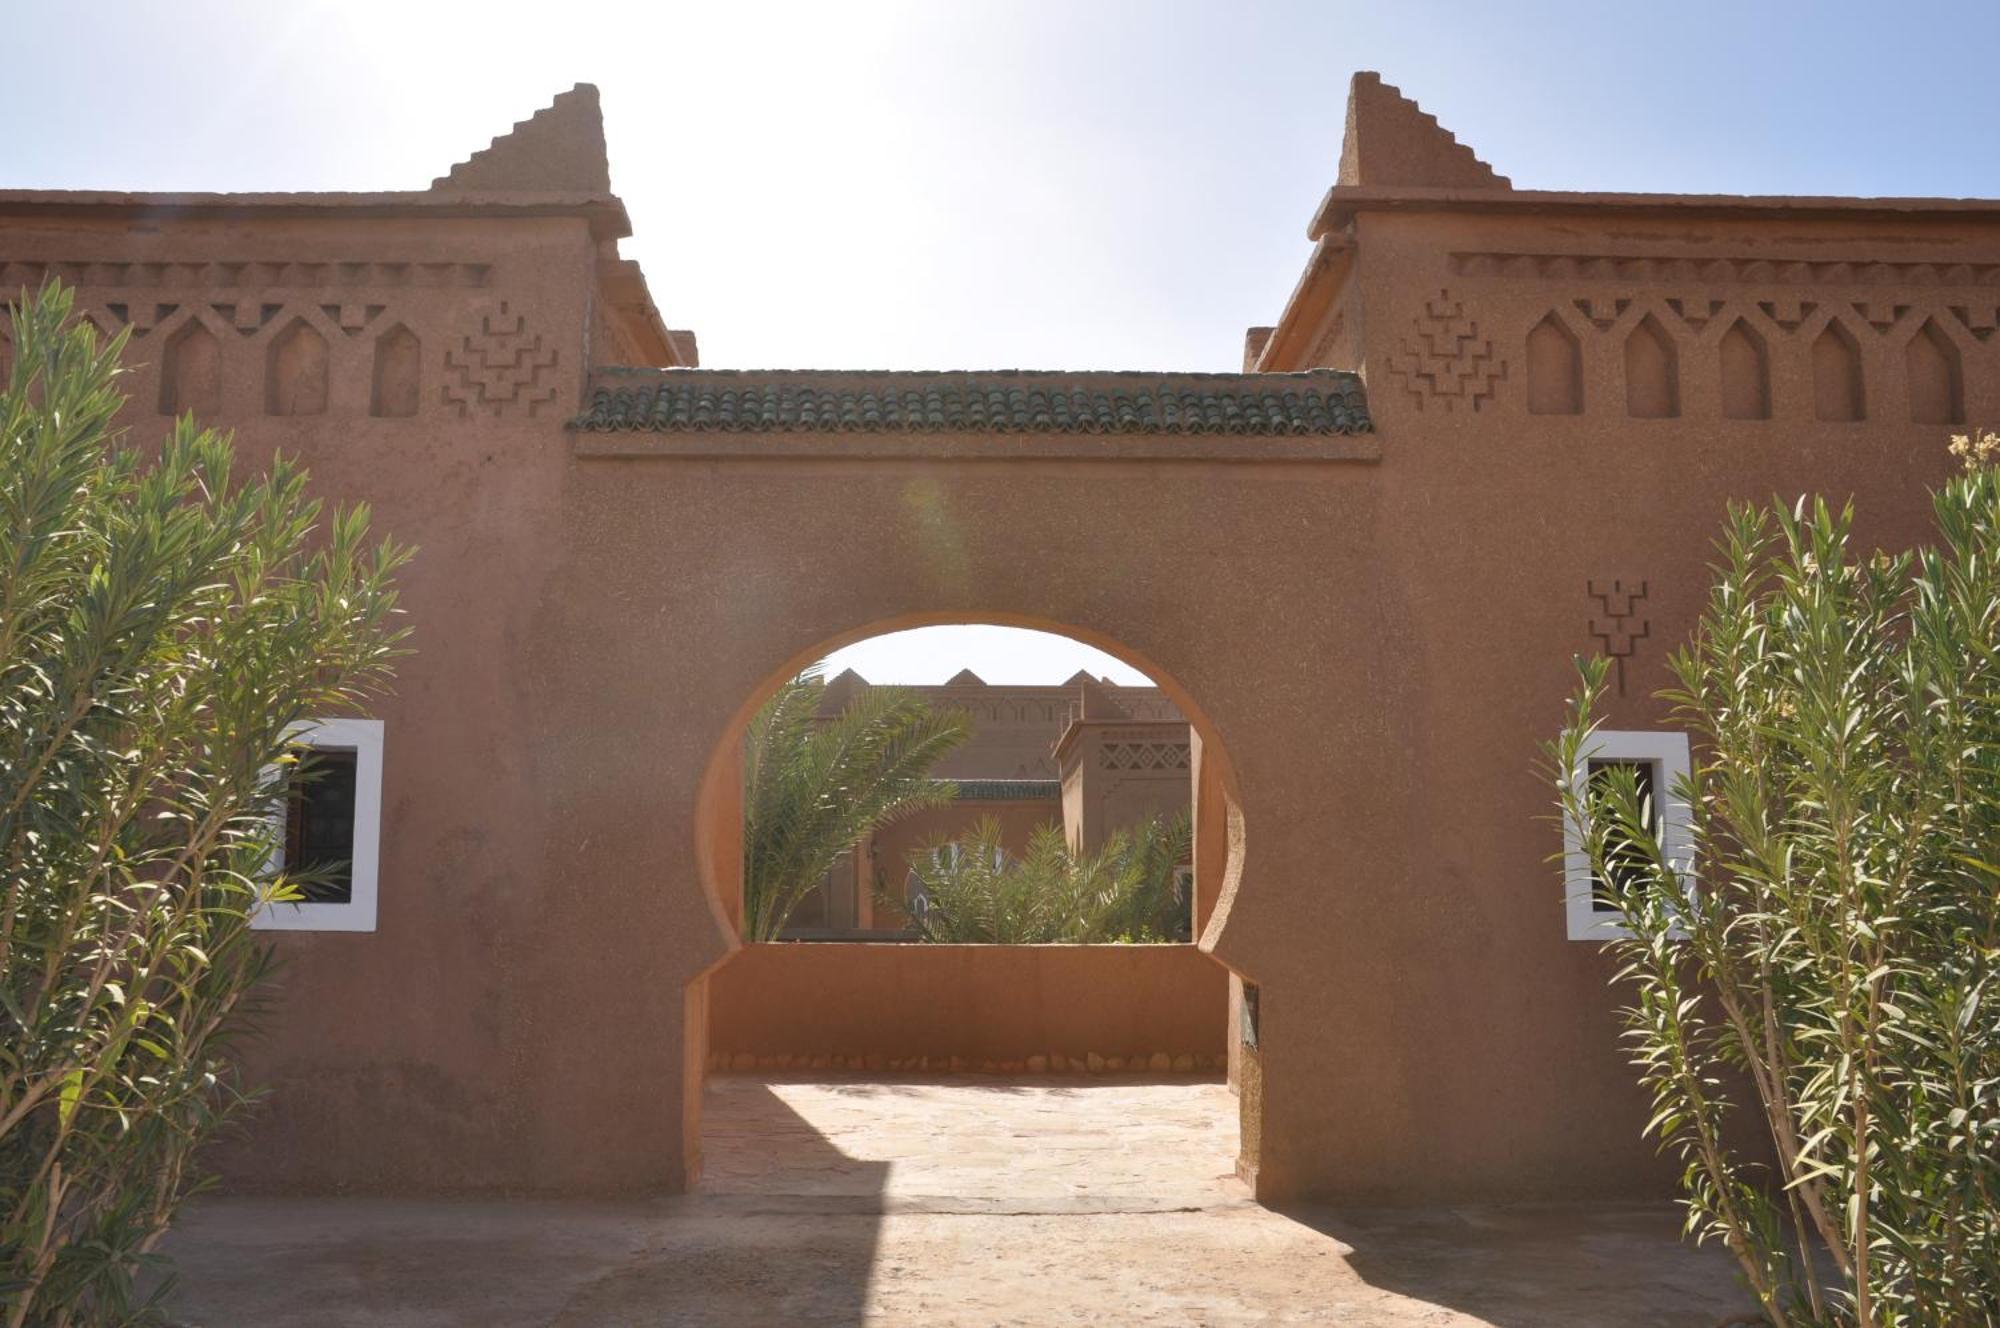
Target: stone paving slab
[{"x": 944, "y": 1202}]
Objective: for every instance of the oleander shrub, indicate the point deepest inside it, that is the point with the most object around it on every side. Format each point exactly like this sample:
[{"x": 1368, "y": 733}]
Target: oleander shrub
[
  {"x": 164, "y": 621},
  {"x": 1828, "y": 963}
]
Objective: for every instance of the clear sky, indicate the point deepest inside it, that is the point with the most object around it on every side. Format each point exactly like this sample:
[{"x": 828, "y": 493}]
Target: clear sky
[
  {"x": 986, "y": 184},
  {"x": 996, "y": 654}
]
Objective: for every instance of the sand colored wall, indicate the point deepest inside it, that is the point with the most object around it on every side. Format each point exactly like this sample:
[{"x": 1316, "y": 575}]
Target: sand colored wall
[{"x": 978, "y": 1007}]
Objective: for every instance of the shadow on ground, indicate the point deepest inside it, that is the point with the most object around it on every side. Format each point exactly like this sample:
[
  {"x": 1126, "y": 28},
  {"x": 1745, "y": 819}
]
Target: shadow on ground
[
  {"x": 1536, "y": 1265},
  {"x": 944, "y": 1201}
]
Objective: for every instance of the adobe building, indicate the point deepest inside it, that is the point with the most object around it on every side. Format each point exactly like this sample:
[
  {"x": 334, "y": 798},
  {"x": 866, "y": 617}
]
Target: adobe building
[
  {"x": 1491, "y": 428},
  {"x": 1087, "y": 755}
]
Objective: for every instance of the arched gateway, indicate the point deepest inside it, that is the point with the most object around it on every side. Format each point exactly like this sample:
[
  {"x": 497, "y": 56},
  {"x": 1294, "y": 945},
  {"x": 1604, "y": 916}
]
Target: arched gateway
[{"x": 1370, "y": 603}]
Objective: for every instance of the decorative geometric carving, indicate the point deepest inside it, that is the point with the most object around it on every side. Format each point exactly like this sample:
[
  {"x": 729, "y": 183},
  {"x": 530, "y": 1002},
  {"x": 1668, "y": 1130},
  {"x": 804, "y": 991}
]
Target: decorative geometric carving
[
  {"x": 1880, "y": 314},
  {"x": 1655, "y": 271},
  {"x": 1746, "y": 374},
  {"x": 204, "y": 274},
  {"x": 500, "y": 367},
  {"x": 1906, "y": 304},
  {"x": 1788, "y": 314},
  {"x": 351, "y": 318},
  {"x": 1618, "y": 622},
  {"x": 1837, "y": 381},
  {"x": 1744, "y": 334},
  {"x": 1979, "y": 320},
  {"x": 1937, "y": 387},
  {"x": 1602, "y": 313},
  {"x": 295, "y": 371},
  {"x": 1652, "y": 372},
  {"x": 249, "y": 317},
  {"x": 397, "y": 385},
  {"x": 1555, "y": 369},
  {"x": 191, "y": 372},
  {"x": 1143, "y": 756},
  {"x": 1695, "y": 313},
  {"x": 1445, "y": 359},
  {"x": 142, "y": 316}
]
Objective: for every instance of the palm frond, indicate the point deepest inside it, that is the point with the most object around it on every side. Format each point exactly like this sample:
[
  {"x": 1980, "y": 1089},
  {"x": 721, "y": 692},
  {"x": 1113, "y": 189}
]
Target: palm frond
[{"x": 814, "y": 785}]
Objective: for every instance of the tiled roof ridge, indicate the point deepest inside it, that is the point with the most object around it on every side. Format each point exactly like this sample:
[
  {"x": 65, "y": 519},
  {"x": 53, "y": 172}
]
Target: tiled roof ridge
[
  {"x": 1318, "y": 401},
  {"x": 990, "y": 789},
  {"x": 648, "y": 371}
]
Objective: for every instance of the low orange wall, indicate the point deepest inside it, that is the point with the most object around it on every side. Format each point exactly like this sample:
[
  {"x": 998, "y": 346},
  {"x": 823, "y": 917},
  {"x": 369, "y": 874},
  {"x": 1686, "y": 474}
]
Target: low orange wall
[{"x": 995, "y": 1008}]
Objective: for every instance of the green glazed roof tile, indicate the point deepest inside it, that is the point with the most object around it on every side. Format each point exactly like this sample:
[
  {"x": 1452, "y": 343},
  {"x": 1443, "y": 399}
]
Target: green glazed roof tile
[
  {"x": 1321, "y": 401},
  {"x": 1007, "y": 790}
]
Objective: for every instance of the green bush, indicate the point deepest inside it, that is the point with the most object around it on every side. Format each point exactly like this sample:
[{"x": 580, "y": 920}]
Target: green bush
[
  {"x": 163, "y": 623},
  {"x": 1129, "y": 890},
  {"x": 813, "y": 785},
  {"x": 1834, "y": 970}
]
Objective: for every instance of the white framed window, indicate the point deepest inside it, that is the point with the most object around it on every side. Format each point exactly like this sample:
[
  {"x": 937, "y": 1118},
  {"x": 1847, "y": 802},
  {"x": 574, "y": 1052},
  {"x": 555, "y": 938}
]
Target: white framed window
[
  {"x": 331, "y": 822},
  {"x": 1660, "y": 762}
]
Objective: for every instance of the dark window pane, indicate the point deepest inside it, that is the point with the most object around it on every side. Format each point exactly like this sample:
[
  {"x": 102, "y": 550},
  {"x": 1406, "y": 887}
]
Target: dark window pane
[
  {"x": 1622, "y": 852},
  {"x": 319, "y": 824}
]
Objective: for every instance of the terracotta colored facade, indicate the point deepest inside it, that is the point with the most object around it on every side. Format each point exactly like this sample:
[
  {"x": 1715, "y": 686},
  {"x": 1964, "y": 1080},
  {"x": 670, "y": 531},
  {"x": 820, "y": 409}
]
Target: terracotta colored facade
[
  {"x": 1366, "y": 612},
  {"x": 987, "y": 1009}
]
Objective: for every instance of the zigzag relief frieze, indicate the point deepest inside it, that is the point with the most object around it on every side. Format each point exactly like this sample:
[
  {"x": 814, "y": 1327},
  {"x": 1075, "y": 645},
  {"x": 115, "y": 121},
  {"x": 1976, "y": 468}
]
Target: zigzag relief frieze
[
  {"x": 1656, "y": 271},
  {"x": 231, "y": 274},
  {"x": 1697, "y": 312},
  {"x": 247, "y": 317}
]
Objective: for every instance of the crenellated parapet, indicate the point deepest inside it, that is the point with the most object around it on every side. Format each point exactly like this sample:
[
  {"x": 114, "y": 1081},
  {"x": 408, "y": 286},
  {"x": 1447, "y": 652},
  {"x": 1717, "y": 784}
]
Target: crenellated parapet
[
  {"x": 478, "y": 302},
  {"x": 1464, "y": 300}
]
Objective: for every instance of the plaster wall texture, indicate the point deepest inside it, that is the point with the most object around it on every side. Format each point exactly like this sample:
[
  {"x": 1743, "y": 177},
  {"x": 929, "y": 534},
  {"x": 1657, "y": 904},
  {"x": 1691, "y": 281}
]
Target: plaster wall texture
[
  {"x": 1505, "y": 540},
  {"x": 415, "y": 1056},
  {"x": 1004, "y": 1008},
  {"x": 1369, "y": 635}
]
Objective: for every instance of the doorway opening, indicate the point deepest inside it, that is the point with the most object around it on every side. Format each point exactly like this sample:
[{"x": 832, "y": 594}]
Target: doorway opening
[{"x": 969, "y": 866}]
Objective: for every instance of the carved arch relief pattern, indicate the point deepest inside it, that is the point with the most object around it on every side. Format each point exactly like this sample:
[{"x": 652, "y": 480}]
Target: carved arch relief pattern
[
  {"x": 291, "y": 344},
  {"x": 1658, "y": 342},
  {"x": 1896, "y": 342},
  {"x": 292, "y": 347},
  {"x": 305, "y": 338}
]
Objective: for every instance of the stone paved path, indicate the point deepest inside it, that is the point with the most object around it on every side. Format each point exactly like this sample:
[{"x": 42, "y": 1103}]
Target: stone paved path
[{"x": 944, "y": 1202}]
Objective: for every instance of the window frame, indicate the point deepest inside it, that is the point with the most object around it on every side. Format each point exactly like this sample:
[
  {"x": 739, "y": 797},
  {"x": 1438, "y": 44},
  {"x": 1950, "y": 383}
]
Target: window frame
[
  {"x": 363, "y": 737},
  {"x": 1667, "y": 751}
]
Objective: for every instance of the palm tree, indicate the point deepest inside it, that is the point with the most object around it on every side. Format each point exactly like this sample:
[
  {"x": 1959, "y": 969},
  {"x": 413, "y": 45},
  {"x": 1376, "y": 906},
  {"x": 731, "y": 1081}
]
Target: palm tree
[{"x": 813, "y": 786}]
